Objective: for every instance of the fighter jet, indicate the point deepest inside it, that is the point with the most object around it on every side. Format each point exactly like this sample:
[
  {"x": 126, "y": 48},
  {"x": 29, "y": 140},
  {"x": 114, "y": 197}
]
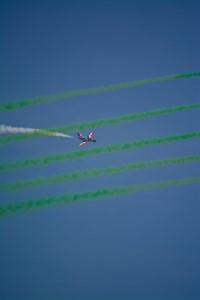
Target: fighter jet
[{"x": 85, "y": 139}]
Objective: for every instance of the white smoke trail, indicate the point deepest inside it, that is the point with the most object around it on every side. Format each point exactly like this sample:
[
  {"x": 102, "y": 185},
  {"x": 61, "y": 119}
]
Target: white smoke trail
[
  {"x": 61, "y": 134},
  {"x": 15, "y": 130}
]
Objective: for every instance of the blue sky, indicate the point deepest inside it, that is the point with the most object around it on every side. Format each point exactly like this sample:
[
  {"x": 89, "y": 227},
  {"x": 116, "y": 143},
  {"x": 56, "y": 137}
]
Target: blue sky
[{"x": 136, "y": 246}]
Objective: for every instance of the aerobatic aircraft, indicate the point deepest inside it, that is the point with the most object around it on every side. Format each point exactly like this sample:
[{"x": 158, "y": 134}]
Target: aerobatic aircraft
[{"x": 85, "y": 139}]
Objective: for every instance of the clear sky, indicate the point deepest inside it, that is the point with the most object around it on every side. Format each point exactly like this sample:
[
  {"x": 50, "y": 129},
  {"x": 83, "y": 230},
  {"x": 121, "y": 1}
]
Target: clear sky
[{"x": 143, "y": 245}]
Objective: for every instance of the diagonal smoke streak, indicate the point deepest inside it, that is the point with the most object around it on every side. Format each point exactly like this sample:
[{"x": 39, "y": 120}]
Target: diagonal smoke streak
[
  {"x": 98, "y": 150},
  {"x": 11, "y": 105},
  {"x": 38, "y": 181},
  {"x": 4, "y": 129},
  {"x": 105, "y": 122},
  {"x": 70, "y": 198}
]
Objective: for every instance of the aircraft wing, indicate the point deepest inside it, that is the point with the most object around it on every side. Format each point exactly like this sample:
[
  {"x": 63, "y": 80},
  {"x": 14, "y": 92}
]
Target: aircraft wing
[
  {"x": 91, "y": 134},
  {"x": 82, "y": 144}
]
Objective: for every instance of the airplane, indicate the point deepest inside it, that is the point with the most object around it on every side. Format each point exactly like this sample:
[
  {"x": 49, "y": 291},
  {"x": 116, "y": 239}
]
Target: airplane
[{"x": 85, "y": 139}]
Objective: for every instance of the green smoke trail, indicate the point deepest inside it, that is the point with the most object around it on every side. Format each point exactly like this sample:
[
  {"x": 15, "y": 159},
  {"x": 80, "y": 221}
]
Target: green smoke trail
[
  {"x": 11, "y": 105},
  {"x": 98, "y": 150},
  {"x": 38, "y": 181},
  {"x": 70, "y": 198},
  {"x": 105, "y": 122}
]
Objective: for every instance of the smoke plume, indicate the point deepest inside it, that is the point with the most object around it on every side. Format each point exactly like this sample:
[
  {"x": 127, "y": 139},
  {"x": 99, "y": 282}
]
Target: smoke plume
[
  {"x": 71, "y": 198},
  {"x": 98, "y": 150},
  {"x": 11, "y": 105}
]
